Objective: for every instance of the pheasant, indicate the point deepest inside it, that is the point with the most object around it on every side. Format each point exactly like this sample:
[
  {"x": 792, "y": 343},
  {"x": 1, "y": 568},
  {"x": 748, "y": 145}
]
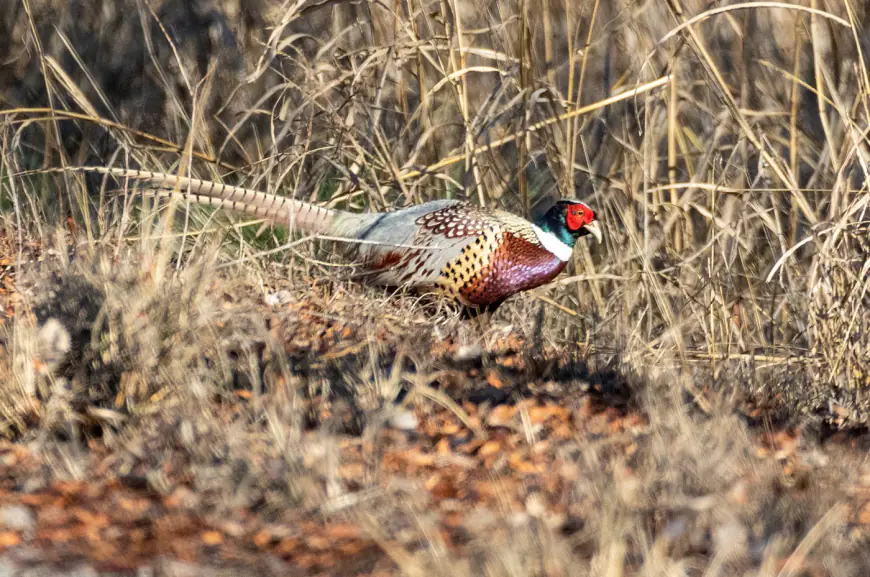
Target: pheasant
[{"x": 478, "y": 256}]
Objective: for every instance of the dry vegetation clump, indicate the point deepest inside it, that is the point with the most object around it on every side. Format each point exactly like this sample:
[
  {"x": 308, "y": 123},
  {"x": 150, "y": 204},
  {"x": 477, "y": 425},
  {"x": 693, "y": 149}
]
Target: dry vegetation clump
[
  {"x": 833, "y": 382},
  {"x": 97, "y": 337},
  {"x": 506, "y": 455},
  {"x": 840, "y": 312},
  {"x": 186, "y": 392}
]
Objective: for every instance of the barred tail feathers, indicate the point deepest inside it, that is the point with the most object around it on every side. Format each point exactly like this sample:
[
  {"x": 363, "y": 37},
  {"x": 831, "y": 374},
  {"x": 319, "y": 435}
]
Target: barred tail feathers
[{"x": 300, "y": 215}]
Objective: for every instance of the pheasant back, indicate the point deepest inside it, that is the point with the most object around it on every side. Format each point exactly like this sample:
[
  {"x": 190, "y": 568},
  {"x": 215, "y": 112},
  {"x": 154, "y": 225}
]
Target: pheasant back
[{"x": 477, "y": 256}]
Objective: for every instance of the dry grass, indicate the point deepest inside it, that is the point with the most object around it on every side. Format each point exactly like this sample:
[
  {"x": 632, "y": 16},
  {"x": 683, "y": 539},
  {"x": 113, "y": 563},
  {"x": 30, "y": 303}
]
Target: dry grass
[{"x": 728, "y": 303}]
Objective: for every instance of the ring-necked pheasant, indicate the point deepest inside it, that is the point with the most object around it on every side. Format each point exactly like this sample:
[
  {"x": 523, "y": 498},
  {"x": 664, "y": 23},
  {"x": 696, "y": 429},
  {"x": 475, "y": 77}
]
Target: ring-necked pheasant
[{"x": 478, "y": 256}]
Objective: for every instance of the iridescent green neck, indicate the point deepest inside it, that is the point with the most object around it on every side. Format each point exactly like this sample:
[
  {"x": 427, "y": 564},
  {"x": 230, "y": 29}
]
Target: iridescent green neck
[{"x": 554, "y": 223}]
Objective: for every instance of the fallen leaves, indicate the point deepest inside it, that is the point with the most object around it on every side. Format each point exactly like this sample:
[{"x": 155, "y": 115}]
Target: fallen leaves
[
  {"x": 9, "y": 539},
  {"x": 489, "y": 448},
  {"x": 493, "y": 445},
  {"x": 212, "y": 538},
  {"x": 463, "y": 455}
]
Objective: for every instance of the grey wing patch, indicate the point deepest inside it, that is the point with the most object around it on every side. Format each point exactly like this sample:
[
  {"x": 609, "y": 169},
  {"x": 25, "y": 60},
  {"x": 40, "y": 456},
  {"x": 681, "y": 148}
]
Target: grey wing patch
[
  {"x": 412, "y": 246},
  {"x": 371, "y": 227},
  {"x": 421, "y": 267}
]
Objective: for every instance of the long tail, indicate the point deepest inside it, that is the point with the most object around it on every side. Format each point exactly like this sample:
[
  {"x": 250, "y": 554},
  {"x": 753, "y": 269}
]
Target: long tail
[{"x": 302, "y": 216}]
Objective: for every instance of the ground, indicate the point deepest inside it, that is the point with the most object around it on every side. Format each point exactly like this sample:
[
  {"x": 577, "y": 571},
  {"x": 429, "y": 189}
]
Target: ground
[
  {"x": 396, "y": 443},
  {"x": 184, "y": 391}
]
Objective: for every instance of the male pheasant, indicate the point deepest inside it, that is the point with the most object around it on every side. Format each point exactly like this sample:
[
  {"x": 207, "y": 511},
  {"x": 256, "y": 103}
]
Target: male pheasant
[{"x": 478, "y": 256}]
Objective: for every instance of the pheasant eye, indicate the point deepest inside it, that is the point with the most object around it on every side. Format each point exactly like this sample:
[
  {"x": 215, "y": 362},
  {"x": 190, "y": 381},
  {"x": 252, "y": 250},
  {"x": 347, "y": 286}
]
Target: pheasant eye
[{"x": 575, "y": 218}]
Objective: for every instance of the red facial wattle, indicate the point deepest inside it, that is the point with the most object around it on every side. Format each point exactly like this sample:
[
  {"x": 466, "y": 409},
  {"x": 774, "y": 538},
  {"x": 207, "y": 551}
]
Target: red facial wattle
[{"x": 577, "y": 217}]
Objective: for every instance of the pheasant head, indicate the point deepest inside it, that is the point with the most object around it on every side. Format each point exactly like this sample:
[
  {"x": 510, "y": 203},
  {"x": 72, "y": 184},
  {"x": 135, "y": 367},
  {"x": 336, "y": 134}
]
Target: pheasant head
[{"x": 568, "y": 220}]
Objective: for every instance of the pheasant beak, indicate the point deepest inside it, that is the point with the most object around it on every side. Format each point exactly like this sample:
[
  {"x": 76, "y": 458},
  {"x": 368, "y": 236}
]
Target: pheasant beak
[{"x": 595, "y": 230}]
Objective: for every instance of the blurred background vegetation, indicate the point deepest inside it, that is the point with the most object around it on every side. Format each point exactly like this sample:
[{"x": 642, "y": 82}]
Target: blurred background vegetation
[{"x": 731, "y": 184}]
